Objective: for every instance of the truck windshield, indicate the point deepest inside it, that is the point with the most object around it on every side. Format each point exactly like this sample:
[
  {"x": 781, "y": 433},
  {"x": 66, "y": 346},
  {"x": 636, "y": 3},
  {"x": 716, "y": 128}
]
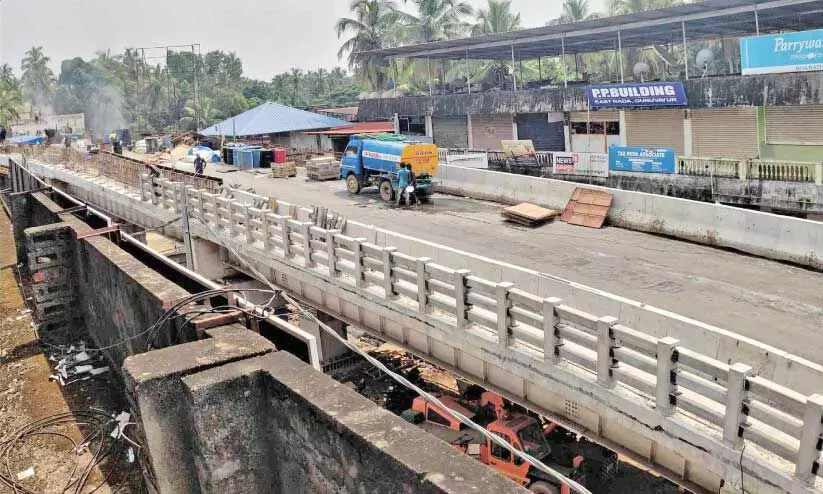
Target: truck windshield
[{"x": 534, "y": 443}]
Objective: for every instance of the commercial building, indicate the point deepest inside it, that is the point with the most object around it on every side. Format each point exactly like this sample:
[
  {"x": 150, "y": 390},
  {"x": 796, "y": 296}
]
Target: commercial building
[{"x": 746, "y": 72}]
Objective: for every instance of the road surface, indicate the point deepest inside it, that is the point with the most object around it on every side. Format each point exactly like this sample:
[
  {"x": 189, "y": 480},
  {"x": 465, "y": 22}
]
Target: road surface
[{"x": 779, "y": 304}]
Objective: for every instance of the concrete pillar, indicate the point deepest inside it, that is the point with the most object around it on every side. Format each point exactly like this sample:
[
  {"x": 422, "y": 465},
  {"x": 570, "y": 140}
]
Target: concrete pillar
[
  {"x": 735, "y": 397},
  {"x": 460, "y": 297},
  {"x": 329, "y": 347},
  {"x": 357, "y": 250},
  {"x": 809, "y": 451},
  {"x": 208, "y": 261},
  {"x": 551, "y": 337},
  {"x": 470, "y": 141},
  {"x": 666, "y": 386},
  {"x": 688, "y": 149},
  {"x": 429, "y": 126},
  {"x": 422, "y": 285},
  {"x": 514, "y": 128},
  {"x": 388, "y": 288},
  {"x": 624, "y": 140},
  {"x": 504, "y": 303},
  {"x": 567, "y": 137},
  {"x": 605, "y": 344}
]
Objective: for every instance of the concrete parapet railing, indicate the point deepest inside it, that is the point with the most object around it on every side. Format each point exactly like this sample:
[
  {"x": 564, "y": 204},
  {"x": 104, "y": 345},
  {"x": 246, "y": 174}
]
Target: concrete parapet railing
[
  {"x": 732, "y": 402},
  {"x": 711, "y": 167},
  {"x": 787, "y": 171}
]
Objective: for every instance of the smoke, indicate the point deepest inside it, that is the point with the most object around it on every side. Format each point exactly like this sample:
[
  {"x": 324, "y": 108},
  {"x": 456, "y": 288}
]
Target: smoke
[{"x": 104, "y": 111}]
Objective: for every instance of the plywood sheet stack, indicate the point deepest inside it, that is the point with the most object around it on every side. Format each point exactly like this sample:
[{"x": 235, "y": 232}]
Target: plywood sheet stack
[
  {"x": 283, "y": 170},
  {"x": 528, "y": 214},
  {"x": 323, "y": 168}
]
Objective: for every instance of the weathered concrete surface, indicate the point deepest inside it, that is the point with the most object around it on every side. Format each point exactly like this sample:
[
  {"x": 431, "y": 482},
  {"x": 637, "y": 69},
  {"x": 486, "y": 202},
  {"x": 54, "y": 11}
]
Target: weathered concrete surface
[
  {"x": 769, "y": 89},
  {"x": 217, "y": 420},
  {"x": 794, "y": 197},
  {"x": 156, "y": 376},
  {"x": 313, "y": 434}
]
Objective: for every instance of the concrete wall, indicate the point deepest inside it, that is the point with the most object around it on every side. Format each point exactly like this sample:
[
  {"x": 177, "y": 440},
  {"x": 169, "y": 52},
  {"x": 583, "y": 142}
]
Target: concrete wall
[
  {"x": 118, "y": 297},
  {"x": 228, "y": 415}
]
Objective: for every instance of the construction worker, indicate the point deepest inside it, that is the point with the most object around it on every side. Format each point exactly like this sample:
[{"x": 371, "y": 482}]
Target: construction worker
[
  {"x": 403, "y": 181},
  {"x": 199, "y": 165}
]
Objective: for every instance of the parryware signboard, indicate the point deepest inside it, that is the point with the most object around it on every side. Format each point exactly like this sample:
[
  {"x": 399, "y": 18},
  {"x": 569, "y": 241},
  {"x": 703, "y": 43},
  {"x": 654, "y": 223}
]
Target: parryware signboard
[{"x": 787, "y": 52}]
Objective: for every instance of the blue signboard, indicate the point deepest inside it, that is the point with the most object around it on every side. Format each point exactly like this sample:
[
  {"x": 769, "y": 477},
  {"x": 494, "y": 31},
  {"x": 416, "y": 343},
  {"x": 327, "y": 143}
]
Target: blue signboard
[
  {"x": 642, "y": 95},
  {"x": 788, "y": 52},
  {"x": 647, "y": 160}
]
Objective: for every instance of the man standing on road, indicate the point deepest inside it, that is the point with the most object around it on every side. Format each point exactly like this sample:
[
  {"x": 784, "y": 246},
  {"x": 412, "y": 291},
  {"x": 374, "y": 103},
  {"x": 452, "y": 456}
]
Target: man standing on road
[
  {"x": 199, "y": 166},
  {"x": 403, "y": 181}
]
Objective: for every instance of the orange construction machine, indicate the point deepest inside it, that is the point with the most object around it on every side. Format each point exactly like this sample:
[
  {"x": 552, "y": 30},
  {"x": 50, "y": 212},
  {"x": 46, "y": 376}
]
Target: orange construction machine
[{"x": 546, "y": 441}]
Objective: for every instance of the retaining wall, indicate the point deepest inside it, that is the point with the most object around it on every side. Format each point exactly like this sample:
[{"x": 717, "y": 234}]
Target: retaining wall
[{"x": 764, "y": 234}]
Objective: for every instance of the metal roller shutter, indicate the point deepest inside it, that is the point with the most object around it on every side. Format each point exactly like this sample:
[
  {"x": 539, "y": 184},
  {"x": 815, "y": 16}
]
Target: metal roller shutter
[
  {"x": 546, "y": 136},
  {"x": 655, "y": 128},
  {"x": 596, "y": 116},
  {"x": 489, "y": 130},
  {"x": 725, "y": 133},
  {"x": 794, "y": 124},
  {"x": 450, "y": 132}
]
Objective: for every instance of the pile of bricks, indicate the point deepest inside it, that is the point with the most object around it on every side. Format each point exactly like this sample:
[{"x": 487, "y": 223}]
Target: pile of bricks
[
  {"x": 50, "y": 251},
  {"x": 283, "y": 170},
  {"x": 323, "y": 168}
]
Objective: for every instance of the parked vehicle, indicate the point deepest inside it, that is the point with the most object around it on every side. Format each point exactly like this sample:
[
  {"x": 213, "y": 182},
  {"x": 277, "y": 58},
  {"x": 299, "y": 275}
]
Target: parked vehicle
[
  {"x": 546, "y": 441},
  {"x": 373, "y": 160}
]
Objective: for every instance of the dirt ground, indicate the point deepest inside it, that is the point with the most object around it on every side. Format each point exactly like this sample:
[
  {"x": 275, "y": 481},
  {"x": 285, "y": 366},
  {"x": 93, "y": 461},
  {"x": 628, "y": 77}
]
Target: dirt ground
[{"x": 27, "y": 395}]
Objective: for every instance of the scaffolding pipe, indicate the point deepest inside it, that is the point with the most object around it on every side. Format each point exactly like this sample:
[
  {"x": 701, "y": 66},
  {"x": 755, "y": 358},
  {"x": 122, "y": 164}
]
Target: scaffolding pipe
[{"x": 685, "y": 48}]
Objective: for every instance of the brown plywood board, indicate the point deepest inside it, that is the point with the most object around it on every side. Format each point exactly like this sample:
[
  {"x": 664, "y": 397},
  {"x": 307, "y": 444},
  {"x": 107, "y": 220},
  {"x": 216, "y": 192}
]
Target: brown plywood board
[
  {"x": 587, "y": 207},
  {"x": 528, "y": 214}
]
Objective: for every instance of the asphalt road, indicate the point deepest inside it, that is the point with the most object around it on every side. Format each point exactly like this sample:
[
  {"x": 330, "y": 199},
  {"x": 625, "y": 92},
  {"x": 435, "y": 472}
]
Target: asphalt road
[{"x": 779, "y": 304}]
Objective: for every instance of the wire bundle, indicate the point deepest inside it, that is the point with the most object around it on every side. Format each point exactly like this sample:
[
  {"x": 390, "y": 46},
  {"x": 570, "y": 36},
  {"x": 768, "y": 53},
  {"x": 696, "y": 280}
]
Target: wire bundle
[{"x": 96, "y": 427}]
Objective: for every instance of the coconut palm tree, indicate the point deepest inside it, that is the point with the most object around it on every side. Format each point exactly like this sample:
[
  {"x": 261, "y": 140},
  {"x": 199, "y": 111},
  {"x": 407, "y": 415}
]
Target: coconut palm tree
[
  {"x": 38, "y": 79},
  {"x": 369, "y": 28},
  {"x": 436, "y": 20},
  {"x": 10, "y": 102},
  {"x": 576, "y": 11},
  {"x": 496, "y": 18}
]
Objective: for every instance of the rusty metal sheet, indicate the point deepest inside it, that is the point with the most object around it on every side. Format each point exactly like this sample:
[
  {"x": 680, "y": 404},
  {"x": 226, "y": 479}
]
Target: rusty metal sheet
[{"x": 587, "y": 207}]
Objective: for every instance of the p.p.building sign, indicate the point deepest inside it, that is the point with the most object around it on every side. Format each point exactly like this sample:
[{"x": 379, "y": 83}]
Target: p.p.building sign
[{"x": 640, "y": 95}]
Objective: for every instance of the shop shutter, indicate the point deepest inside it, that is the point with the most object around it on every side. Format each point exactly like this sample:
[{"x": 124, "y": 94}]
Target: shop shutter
[
  {"x": 596, "y": 116},
  {"x": 725, "y": 133},
  {"x": 450, "y": 132},
  {"x": 794, "y": 124},
  {"x": 655, "y": 128},
  {"x": 546, "y": 136},
  {"x": 489, "y": 130}
]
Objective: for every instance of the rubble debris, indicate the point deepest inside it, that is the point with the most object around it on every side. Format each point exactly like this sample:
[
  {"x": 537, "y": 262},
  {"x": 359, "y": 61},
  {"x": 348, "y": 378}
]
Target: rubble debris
[
  {"x": 26, "y": 474},
  {"x": 528, "y": 214},
  {"x": 587, "y": 207},
  {"x": 75, "y": 363}
]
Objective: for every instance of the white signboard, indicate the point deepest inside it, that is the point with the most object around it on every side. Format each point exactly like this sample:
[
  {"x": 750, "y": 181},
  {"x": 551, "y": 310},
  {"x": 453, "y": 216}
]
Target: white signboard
[
  {"x": 586, "y": 164},
  {"x": 468, "y": 160}
]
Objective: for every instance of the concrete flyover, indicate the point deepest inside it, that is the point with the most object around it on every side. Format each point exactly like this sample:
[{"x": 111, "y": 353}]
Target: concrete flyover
[{"x": 683, "y": 396}]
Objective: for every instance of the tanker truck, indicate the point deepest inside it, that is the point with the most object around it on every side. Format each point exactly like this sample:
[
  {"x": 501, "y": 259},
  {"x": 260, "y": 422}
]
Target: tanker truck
[{"x": 373, "y": 161}]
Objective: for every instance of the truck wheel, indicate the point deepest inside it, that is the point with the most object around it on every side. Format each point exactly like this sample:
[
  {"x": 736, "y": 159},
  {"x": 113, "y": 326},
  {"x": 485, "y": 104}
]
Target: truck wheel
[
  {"x": 386, "y": 191},
  {"x": 353, "y": 184},
  {"x": 544, "y": 488}
]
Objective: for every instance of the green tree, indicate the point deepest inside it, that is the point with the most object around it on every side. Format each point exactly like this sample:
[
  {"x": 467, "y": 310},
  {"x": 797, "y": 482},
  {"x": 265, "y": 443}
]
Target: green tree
[
  {"x": 7, "y": 77},
  {"x": 38, "y": 79},
  {"x": 436, "y": 20},
  {"x": 370, "y": 28},
  {"x": 10, "y": 102},
  {"x": 497, "y": 17},
  {"x": 576, "y": 11}
]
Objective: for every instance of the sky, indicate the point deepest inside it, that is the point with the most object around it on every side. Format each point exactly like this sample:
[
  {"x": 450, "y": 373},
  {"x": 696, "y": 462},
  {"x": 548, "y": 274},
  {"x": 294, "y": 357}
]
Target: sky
[{"x": 270, "y": 36}]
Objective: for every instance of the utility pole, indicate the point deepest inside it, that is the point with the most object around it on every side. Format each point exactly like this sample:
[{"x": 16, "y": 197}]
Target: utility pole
[
  {"x": 184, "y": 219},
  {"x": 196, "y": 105}
]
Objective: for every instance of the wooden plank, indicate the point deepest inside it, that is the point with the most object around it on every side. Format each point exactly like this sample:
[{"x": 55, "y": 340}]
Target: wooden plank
[
  {"x": 528, "y": 214},
  {"x": 587, "y": 207}
]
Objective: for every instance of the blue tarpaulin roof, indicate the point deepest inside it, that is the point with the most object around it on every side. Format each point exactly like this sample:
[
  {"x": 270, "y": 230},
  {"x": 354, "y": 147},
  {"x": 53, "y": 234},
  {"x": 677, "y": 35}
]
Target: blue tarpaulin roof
[
  {"x": 27, "y": 139},
  {"x": 271, "y": 118}
]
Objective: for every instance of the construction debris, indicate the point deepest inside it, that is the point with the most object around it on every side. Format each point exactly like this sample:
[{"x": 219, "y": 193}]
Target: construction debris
[
  {"x": 283, "y": 170},
  {"x": 528, "y": 214},
  {"x": 75, "y": 363},
  {"x": 323, "y": 168},
  {"x": 26, "y": 474},
  {"x": 587, "y": 207}
]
